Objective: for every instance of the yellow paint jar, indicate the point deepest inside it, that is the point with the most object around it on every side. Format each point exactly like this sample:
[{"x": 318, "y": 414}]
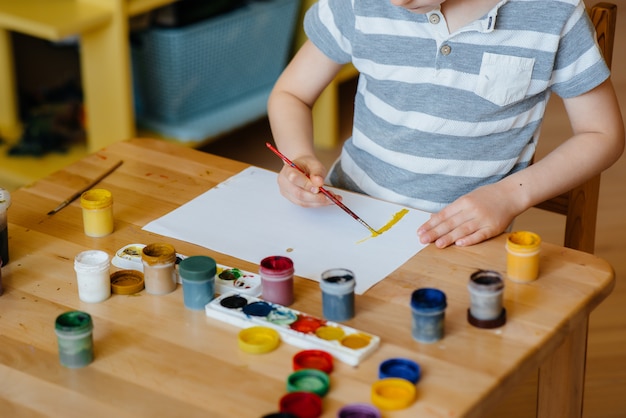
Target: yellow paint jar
[
  {"x": 97, "y": 207},
  {"x": 522, "y": 263}
]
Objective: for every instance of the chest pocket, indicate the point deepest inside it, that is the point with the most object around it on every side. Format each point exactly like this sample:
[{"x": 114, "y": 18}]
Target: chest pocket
[{"x": 504, "y": 79}]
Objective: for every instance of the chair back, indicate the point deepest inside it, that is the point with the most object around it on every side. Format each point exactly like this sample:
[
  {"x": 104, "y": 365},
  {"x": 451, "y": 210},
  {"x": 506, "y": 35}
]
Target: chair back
[{"x": 580, "y": 205}]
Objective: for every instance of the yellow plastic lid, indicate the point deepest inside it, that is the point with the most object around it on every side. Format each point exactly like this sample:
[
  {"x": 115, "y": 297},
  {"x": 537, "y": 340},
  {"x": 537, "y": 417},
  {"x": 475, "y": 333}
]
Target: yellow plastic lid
[
  {"x": 127, "y": 282},
  {"x": 258, "y": 340},
  {"x": 393, "y": 393}
]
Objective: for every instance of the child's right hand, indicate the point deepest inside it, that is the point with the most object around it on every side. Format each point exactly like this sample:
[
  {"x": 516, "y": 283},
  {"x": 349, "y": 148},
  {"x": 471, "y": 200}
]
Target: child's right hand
[{"x": 300, "y": 189}]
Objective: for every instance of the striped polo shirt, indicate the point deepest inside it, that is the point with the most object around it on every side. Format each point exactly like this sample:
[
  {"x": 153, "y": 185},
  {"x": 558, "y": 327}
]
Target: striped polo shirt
[{"x": 438, "y": 114}]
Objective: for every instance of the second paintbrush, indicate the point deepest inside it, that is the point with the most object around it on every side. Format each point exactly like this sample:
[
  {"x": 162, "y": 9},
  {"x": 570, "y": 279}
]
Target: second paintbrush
[{"x": 323, "y": 190}]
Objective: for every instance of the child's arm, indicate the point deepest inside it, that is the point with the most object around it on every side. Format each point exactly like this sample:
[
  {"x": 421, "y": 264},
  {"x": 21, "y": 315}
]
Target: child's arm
[
  {"x": 597, "y": 142},
  {"x": 289, "y": 111}
]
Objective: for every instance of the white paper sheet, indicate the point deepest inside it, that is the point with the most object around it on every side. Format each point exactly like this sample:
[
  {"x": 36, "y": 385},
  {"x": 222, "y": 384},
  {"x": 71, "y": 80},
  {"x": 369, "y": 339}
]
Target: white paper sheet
[{"x": 246, "y": 217}]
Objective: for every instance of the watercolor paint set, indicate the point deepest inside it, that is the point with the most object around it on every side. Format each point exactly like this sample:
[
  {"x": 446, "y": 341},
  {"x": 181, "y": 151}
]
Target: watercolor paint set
[
  {"x": 347, "y": 344},
  {"x": 227, "y": 278}
]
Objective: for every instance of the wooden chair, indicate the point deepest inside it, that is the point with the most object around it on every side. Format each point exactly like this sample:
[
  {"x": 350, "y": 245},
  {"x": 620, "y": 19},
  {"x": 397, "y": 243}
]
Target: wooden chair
[{"x": 580, "y": 205}]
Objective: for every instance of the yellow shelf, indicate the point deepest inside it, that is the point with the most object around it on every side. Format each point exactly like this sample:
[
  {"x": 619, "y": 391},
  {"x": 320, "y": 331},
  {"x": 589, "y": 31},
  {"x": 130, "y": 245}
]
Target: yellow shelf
[{"x": 66, "y": 18}]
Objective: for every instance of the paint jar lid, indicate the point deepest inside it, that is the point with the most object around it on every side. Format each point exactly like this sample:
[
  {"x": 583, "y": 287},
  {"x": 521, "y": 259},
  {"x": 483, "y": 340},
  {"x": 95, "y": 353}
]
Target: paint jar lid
[
  {"x": 308, "y": 380},
  {"x": 428, "y": 300},
  {"x": 96, "y": 199},
  {"x": 313, "y": 359},
  {"x": 523, "y": 241},
  {"x": 158, "y": 253},
  {"x": 280, "y": 415},
  {"x": 258, "y": 340},
  {"x": 400, "y": 367},
  {"x": 197, "y": 268},
  {"x": 301, "y": 404},
  {"x": 487, "y": 323},
  {"x": 127, "y": 282},
  {"x": 393, "y": 393},
  {"x": 359, "y": 410}
]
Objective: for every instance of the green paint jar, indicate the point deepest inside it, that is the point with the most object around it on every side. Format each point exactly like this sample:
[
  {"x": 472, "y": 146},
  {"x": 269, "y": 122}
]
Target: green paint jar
[{"x": 74, "y": 335}]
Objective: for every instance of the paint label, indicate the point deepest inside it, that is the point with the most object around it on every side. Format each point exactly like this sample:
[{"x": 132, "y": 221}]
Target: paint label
[{"x": 347, "y": 344}]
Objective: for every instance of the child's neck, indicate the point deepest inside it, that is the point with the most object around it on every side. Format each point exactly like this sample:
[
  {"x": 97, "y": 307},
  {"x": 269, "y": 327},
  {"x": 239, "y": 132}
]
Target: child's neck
[{"x": 459, "y": 13}]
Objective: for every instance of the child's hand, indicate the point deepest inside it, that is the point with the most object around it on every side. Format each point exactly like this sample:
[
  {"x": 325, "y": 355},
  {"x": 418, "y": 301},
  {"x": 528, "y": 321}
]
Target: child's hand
[
  {"x": 300, "y": 189},
  {"x": 472, "y": 218}
]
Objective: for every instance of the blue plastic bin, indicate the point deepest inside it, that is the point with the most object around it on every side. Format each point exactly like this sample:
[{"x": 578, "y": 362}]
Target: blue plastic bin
[{"x": 181, "y": 74}]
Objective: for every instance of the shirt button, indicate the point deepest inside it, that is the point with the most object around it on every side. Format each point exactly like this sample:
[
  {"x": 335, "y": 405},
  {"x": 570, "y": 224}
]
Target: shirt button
[
  {"x": 434, "y": 18},
  {"x": 445, "y": 50}
]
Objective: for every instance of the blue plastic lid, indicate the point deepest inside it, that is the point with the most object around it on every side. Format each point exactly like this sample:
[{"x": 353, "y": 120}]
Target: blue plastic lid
[
  {"x": 428, "y": 300},
  {"x": 400, "y": 367}
]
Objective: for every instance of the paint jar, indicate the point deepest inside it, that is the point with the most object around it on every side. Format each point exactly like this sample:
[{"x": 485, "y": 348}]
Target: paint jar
[
  {"x": 338, "y": 294},
  {"x": 428, "y": 307},
  {"x": 277, "y": 279},
  {"x": 97, "y": 207},
  {"x": 92, "y": 274},
  {"x": 522, "y": 261},
  {"x": 359, "y": 410},
  {"x": 159, "y": 268},
  {"x": 197, "y": 274},
  {"x": 74, "y": 332},
  {"x": 5, "y": 202},
  {"x": 486, "y": 288}
]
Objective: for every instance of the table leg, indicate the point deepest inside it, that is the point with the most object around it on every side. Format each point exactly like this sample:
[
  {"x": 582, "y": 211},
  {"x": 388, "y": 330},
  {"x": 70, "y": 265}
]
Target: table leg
[
  {"x": 105, "y": 67},
  {"x": 10, "y": 126},
  {"x": 562, "y": 377}
]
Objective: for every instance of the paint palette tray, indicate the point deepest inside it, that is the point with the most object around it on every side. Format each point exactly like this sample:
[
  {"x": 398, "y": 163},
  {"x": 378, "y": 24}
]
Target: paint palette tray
[
  {"x": 346, "y": 344},
  {"x": 227, "y": 279}
]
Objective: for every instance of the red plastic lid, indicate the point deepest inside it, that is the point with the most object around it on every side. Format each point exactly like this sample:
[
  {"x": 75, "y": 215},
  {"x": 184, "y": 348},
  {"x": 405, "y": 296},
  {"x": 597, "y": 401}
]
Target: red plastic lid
[
  {"x": 313, "y": 359},
  {"x": 301, "y": 404}
]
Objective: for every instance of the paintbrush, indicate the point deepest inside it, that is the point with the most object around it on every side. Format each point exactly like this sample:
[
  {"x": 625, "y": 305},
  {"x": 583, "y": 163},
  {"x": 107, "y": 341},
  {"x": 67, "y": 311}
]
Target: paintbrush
[
  {"x": 77, "y": 194},
  {"x": 323, "y": 190}
]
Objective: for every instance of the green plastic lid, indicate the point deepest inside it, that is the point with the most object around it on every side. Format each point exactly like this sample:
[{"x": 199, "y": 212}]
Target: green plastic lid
[
  {"x": 308, "y": 380},
  {"x": 197, "y": 268}
]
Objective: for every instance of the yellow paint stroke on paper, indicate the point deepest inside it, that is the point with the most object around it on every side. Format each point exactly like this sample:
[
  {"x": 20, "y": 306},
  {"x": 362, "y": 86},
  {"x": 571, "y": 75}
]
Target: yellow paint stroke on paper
[{"x": 394, "y": 220}]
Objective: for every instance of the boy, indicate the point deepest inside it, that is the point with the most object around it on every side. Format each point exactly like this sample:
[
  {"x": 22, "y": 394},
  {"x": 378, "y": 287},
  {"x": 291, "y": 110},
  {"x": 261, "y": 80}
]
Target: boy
[{"x": 448, "y": 108}]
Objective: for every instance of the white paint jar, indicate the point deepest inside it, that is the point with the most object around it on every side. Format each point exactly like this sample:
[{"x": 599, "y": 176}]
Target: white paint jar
[{"x": 93, "y": 277}]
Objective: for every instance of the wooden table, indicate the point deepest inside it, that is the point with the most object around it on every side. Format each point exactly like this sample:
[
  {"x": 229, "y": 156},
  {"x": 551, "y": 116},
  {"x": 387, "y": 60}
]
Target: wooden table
[{"x": 153, "y": 357}]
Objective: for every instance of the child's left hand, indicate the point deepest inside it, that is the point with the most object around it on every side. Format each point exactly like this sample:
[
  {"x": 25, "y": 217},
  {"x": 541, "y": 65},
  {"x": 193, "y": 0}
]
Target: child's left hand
[{"x": 472, "y": 218}]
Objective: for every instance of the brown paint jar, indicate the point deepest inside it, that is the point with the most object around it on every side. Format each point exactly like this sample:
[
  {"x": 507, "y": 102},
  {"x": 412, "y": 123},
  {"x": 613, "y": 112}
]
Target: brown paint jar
[{"x": 159, "y": 268}]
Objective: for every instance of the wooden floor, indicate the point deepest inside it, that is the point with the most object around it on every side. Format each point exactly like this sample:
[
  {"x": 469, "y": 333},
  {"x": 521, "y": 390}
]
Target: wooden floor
[{"x": 605, "y": 391}]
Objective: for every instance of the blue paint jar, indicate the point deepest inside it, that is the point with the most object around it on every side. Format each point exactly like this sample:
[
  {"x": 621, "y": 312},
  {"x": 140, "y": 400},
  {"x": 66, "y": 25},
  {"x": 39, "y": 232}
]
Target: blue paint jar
[
  {"x": 74, "y": 337},
  {"x": 338, "y": 294},
  {"x": 197, "y": 274},
  {"x": 428, "y": 306}
]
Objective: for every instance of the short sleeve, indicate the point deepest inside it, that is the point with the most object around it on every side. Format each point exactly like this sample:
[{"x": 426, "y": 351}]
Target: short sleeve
[{"x": 329, "y": 24}]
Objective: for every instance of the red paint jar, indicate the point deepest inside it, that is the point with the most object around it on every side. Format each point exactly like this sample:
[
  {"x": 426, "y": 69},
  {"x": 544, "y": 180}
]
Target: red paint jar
[{"x": 277, "y": 279}]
